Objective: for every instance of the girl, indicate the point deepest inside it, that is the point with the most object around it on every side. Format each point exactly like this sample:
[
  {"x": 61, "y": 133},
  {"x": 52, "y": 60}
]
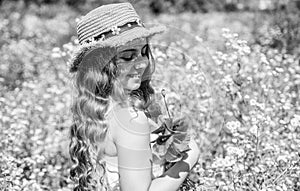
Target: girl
[{"x": 110, "y": 135}]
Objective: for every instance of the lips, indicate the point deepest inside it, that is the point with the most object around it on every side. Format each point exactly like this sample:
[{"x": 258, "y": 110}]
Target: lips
[{"x": 134, "y": 75}]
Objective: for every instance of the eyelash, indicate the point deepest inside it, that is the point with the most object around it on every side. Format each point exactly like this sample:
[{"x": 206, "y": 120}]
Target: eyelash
[
  {"x": 133, "y": 55},
  {"x": 128, "y": 58}
]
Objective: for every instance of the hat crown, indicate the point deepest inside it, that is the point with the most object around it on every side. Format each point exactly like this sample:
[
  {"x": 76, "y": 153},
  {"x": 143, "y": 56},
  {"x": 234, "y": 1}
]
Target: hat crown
[{"x": 104, "y": 19}]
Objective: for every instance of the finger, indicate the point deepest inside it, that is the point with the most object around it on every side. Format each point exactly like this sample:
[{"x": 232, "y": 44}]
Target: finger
[{"x": 153, "y": 137}]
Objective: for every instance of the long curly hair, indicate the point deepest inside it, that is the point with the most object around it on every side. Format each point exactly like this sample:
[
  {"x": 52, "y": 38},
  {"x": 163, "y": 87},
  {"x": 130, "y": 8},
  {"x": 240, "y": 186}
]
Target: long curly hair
[{"x": 94, "y": 84}]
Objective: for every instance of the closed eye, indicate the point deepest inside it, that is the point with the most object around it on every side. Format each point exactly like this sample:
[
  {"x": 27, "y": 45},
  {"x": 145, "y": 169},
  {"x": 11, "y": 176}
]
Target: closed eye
[{"x": 127, "y": 55}]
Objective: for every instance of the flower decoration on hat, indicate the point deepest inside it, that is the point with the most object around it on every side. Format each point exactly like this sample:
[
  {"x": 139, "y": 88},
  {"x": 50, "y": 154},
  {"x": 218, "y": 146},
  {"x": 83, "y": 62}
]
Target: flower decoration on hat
[
  {"x": 90, "y": 40},
  {"x": 102, "y": 37},
  {"x": 139, "y": 22},
  {"x": 115, "y": 30}
]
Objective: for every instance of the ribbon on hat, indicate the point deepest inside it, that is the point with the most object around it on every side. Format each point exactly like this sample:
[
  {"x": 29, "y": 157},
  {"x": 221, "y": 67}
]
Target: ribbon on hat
[{"x": 115, "y": 30}]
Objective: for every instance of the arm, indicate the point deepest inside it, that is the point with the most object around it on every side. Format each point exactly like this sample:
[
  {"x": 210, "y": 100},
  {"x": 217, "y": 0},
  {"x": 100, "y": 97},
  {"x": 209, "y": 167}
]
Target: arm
[
  {"x": 131, "y": 134},
  {"x": 132, "y": 139}
]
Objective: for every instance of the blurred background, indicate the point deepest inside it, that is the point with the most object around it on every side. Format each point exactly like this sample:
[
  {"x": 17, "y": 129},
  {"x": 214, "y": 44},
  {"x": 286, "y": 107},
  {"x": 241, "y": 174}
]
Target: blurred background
[{"x": 241, "y": 59}]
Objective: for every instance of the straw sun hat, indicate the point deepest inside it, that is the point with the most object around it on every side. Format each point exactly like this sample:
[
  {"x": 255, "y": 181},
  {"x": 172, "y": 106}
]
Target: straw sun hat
[{"x": 106, "y": 28}]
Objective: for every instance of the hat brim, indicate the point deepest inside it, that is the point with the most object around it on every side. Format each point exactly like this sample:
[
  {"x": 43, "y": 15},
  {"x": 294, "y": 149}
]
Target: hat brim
[{"x": 116, "y": 41}]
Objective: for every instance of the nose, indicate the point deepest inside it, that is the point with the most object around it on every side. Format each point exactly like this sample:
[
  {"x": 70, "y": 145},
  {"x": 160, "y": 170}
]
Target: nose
[{"x": 141, "y": 63}]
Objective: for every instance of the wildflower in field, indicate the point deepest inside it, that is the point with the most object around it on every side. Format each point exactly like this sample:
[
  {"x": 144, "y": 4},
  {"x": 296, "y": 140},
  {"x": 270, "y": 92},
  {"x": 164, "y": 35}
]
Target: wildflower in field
[
  {"x": 56, "y": 53},
  {"x": 283, "y": 158},
  {"x": 228, "y": 80},
  {"x": 228, "y": 161},
  {"x": 252, "y": 102},
  {"x": 254, "y": 130},
  {"x": 295, "y": 121},
  {"x": 238, "y": 167},
  {"x": 235, "y": 151},
  {"x": 233, "y": 126}
]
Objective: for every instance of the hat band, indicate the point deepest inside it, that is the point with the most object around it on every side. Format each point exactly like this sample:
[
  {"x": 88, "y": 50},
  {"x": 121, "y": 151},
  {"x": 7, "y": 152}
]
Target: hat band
[{"x": 115, "y": 31}]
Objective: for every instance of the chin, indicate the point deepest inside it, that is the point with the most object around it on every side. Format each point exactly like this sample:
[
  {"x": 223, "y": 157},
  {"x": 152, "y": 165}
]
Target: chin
[{"x": 133, "y": 87}]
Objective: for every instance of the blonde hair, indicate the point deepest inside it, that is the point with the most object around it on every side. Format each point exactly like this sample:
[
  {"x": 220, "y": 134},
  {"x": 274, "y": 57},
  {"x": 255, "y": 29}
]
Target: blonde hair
[{"x": 95, "y": 84}]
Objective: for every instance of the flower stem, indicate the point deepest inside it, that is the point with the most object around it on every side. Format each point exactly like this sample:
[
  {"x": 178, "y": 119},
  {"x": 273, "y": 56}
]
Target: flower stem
[{"x": 163, "y": 93}]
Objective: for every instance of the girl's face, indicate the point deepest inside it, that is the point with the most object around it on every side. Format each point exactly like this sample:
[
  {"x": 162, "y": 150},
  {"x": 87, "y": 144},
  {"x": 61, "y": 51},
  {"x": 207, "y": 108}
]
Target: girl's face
[{"x": 132, "y": 60}]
